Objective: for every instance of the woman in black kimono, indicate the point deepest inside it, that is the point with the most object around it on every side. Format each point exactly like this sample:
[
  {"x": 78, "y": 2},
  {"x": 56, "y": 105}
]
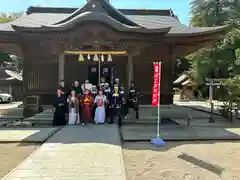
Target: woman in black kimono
[
  {"x": 107, "y": 91},
  {"x": 59, "y": 109}
]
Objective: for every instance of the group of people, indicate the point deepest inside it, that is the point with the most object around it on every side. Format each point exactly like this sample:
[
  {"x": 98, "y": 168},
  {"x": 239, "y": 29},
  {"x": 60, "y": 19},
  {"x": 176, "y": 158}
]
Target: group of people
[{"x": 87, "y": 103}]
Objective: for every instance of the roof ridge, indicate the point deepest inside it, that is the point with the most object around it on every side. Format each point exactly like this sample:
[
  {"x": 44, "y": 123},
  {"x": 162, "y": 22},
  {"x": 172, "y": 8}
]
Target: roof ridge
[
  {"x": 100, "y": 5},
  {"x": 68, "y": 10}
]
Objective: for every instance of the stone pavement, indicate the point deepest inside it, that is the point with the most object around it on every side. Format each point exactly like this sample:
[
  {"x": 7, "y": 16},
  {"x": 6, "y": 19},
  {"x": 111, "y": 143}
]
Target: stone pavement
[
  {"x": 26, "y": 134},
  {"x": 91, "y": 152}
]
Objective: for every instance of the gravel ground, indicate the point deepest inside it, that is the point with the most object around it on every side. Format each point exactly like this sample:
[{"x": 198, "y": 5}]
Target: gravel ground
[
  {"x": 206, "y": 160},
  {"x": 12, "y": 154}
]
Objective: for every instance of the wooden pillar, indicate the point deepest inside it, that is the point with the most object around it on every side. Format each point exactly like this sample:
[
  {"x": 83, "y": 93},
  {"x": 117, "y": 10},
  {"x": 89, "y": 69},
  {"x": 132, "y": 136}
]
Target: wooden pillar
[
  {"x": 130, "y": 69},
  {"x": 61, "y": 62},
  {"x": 167, "y": 83},
  {"x": 167, "y": 76},
  {"x": 10, "y": 90}
]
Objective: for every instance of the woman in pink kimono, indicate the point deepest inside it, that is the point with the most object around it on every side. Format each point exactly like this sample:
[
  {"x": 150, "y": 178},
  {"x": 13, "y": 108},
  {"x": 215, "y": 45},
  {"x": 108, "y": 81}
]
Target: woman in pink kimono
[{"x": 100, "y": 100}]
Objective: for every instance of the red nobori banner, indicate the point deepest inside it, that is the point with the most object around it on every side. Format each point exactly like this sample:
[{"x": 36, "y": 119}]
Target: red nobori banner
[{"x": 156, "y": 83}]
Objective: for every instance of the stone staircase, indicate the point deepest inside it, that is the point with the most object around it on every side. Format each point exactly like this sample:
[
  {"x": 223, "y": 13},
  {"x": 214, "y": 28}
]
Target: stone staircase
[
  {"x": 148, "y": 115},
  {"x": 41, "y": 119},
  {"x": 170, "y": 115}
]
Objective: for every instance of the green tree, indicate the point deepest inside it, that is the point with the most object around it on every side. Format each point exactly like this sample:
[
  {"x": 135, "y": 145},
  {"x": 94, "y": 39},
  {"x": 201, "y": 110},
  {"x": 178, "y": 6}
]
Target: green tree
[
  {"x": 212, "y": 62},
  {"x": 6, "y": 58},
  {"x": 7, "y": 17},
  {"x": 181, "y": 65}
]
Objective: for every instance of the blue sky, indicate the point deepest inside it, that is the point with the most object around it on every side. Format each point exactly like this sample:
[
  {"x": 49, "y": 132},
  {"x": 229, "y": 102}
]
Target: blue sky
[{"x": 180, "y": 7}]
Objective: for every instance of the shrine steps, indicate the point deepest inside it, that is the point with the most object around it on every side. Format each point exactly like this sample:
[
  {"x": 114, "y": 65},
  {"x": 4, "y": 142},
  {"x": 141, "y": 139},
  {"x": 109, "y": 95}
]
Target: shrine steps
[
  {"x": 170, "y": 115},
  {"x": 16, "y": 111}
]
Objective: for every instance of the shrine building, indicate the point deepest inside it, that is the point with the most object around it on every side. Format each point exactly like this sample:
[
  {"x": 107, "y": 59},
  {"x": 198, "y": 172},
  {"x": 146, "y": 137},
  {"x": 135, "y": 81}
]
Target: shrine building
[{"x": 61, "y": 43}]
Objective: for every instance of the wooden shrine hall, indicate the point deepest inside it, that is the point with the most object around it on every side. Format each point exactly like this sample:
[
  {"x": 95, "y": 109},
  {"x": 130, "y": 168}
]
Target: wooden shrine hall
[{"x": 50, "y": 41}]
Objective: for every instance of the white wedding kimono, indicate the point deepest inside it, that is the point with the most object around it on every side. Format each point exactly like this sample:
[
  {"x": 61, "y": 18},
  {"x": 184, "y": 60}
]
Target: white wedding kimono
[
  {"x": 87, "y": 86},
  {"x": 73, "y": 106},
  {"x": 100, "y": 110}
]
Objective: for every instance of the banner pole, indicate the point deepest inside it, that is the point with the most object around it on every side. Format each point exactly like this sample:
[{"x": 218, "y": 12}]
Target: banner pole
[
  {"x": 158, "y": 141},
  {"x": 159, "y": 81},
  {"x": 99, "y": 71}
]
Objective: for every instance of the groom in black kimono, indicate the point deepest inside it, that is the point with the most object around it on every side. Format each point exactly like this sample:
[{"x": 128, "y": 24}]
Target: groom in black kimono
[
  {"x": 59, "y": 109},
  {"x": 115, "y": 106},
  {"x": 133, "y": 99}
]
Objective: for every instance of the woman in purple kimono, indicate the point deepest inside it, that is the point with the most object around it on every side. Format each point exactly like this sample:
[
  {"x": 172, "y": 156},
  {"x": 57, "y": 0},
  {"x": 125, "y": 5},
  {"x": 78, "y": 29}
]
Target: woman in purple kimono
[{"x": 100, "y": 100}]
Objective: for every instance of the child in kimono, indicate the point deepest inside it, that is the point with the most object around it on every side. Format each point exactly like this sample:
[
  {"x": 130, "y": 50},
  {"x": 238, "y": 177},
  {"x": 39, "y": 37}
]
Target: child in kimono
[{"x": 86, "y": 107}]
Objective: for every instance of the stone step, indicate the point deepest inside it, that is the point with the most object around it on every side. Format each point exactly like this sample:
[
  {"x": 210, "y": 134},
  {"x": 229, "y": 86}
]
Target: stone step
[
  {"x": 48, "y": 111},
  {"x": 37, "y": 122},
  {"x": 219, "y": 121},
  {"x": 43, "y": 118},
  {"x": 146, "y": 122},
  {"x": 173, "y": 112},
  {"x": 11, "y": 117},
  {"x": 172, "y": 116},
  {"x": 12, "y": 114},
  {"x": 12, "y": 111}
]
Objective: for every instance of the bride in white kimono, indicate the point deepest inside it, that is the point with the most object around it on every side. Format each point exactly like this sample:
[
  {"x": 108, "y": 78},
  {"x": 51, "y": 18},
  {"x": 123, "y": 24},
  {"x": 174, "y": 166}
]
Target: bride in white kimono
[
  {"x": 73, "y": 106},
  {"x": 100, "y": 100}
]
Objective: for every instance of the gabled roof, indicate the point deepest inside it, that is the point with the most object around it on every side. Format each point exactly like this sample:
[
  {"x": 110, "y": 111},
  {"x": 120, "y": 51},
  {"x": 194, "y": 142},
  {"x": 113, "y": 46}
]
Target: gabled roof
[
  {"x": 181, "y": 78},
  {"x": 98, "y": 11},
  {"x": 185, "y": 79},
  {"x": 92, "y": 16},
  {"x": 130, "y": 20}
]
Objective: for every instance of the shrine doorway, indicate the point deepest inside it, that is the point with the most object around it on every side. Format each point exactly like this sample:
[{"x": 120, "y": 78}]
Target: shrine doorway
[
  {"x": 73, "y": 69},
  {"x": 107, "y": 71}
]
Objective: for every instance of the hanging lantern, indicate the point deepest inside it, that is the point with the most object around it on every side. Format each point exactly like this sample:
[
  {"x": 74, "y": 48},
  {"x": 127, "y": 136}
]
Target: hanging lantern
[
  {"x": 80, "y": 58},
  {"x": 102, "y": 58},
  {"x": 109, "y": 57},
  {"x": 88, "y": 57},
  {"x": 95, "y": 58}
]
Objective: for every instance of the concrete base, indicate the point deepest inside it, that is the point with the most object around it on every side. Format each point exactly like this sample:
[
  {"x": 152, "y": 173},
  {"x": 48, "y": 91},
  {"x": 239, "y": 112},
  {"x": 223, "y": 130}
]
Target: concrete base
[
  {"x": 147, "y": 132},
  {"x": 37, "y": 135}
]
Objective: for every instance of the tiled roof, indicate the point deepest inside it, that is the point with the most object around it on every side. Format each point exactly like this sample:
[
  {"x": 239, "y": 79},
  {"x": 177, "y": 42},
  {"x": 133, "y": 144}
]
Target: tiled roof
[{"x": 148, "y": 21}]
